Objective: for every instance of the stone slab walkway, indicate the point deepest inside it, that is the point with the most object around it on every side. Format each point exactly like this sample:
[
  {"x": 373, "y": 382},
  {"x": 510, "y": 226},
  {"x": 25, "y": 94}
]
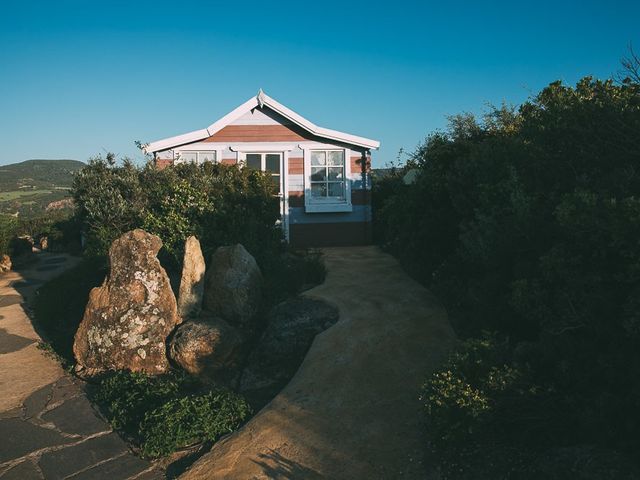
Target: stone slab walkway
[
  {"x": 352, "y": 409},
  {"x": 48, "y": 428}
]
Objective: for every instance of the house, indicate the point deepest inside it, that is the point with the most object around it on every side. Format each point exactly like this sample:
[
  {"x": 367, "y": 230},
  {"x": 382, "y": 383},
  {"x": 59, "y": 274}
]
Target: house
[{"x": 323, "y": 175}]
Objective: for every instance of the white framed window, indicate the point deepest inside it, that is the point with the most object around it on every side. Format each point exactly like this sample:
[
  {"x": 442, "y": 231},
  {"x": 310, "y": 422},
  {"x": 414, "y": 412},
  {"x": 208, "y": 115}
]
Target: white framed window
[
  {"x": 196, "y": 156},
  {"x": 327, "y": 187},
  {"x": 266, "y": 162}
]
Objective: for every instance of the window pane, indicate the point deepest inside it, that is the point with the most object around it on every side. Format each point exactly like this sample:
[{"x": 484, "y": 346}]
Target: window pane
[
  {"x": 254, "y": 160},
  {"x": 318, "y": 174},
  {"x": 276, "y": 181},
  {"x": 206, "y": 157},
  {"x": 318, "y": 190},
  {"x": 336, "y": 158},
  {"x": 336, "y": 189},
  {"x": 187, "y": 157},
  {"x": 318, "y": 158},
  {"x": 273, "y": 162},
  {"x": 335, "y": 173}
]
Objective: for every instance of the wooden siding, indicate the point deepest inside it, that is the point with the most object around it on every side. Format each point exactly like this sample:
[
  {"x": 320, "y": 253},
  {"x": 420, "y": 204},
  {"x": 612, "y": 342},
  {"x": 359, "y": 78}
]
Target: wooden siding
[
  {"x": 296, "y": 166},
  {"x": 357, "y": 166},
  {"x": 330, "y": 234},
  {"x": 163, "y": 163},
  {"x": 259, "y": 133}
]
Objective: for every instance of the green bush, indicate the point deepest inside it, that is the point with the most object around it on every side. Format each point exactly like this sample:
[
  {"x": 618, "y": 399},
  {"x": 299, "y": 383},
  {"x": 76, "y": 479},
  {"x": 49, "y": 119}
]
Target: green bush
[
  {"x": 164, "y": 413},
  {"x": 526, "y": 223},
  {"x": 126, "y": 397},
  {"x": 219, "y": 204},
  {"x": 191, "y": 419},
  {"x": 8, "y": 227}
]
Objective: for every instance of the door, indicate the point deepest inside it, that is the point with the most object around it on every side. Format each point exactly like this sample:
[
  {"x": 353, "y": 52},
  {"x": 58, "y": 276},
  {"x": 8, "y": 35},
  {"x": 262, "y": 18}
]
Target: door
[
  {"x": 267, "y": 162},
  {"x": 271, "y": 163}
]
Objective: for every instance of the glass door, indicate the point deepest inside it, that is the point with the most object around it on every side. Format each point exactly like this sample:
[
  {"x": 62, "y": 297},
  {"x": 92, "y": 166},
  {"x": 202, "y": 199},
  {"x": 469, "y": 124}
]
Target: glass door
[{"x": 267, "y": 162}]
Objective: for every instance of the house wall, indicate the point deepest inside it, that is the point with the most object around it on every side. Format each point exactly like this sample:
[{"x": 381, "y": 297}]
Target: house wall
[{"x": 262, "y": 126}]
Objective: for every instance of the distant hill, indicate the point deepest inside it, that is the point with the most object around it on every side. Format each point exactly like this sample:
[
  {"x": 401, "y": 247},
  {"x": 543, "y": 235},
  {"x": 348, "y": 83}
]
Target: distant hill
[
  {"x": 28, "y": 187},
  {"x": 38, "y": 174}
]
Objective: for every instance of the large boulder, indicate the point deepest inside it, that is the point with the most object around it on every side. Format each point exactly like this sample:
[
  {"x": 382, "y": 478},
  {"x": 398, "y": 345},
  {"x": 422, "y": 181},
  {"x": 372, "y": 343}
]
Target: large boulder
[
  {"x": 291, "y": 327},
  {"x": 204, "y": 346},
  {"x": 233, "y": 287},
  {"x": 192, "y": 280},
  {"x": 128, "y": 318}
]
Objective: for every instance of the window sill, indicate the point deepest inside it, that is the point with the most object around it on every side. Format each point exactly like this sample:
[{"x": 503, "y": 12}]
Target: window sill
[{"x": 327, "y": 207}]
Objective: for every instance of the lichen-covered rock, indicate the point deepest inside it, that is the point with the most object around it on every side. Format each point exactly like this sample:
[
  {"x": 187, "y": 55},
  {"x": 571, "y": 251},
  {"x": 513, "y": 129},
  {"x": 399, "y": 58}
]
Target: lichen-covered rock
[
  {"x": 128, "y": 318},
  {"x": 192, "y": 280},
  {"x": 291, "y": 327},
  {"x": 204, "y": 346},
  {"x": 233, "y": 287},
  {"x": 5, "y": 263}
]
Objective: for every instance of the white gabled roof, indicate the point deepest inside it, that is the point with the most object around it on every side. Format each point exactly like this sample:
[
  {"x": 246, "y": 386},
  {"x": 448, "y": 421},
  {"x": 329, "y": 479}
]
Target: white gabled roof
[{"x": 260, "y": 100}]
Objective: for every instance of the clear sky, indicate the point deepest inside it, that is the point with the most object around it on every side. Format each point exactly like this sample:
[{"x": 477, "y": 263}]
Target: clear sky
[{"x": 81, "y": 78}]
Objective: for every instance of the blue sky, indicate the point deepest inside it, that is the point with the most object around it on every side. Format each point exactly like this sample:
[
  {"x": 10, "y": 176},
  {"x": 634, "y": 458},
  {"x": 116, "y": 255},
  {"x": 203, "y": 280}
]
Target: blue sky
[{"x": 82, "y": 78}]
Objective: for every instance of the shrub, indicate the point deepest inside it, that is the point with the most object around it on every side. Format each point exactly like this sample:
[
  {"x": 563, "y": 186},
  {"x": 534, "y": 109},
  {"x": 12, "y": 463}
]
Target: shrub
[
  {"x": 126, "y": 397},
  {"x": 164, "y": 413},
  {"x": 219, "y": 204},
  {"x": 526, "y": 223},
  {"x": 191, "y": 419}
]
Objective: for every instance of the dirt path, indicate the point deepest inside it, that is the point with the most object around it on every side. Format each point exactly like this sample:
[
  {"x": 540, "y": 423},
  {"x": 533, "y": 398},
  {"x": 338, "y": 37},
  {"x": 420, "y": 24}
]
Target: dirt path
[
  {"x": 48, "y": 428},
  {"x": 352, "y": 410}
]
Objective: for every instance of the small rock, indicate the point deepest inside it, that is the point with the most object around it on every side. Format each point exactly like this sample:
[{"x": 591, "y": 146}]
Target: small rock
[
  {"x": 5, "y": 263},
  {"x": 128, "y": 318},
  {"x": 204, "y": 346},
  {"x": 233, "y": 287},
  {"x": 192, "y": 281}
]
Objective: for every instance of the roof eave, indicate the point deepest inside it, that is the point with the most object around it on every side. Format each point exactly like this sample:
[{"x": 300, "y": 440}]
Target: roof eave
[{"x": 261, "y": 100}]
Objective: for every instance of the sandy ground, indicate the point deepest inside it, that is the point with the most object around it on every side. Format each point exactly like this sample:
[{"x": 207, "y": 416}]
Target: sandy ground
[{"x": 352, "y": 409}]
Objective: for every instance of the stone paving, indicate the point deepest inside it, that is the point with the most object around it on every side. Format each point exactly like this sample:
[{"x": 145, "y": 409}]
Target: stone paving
[{"x": 48, "y": 428}]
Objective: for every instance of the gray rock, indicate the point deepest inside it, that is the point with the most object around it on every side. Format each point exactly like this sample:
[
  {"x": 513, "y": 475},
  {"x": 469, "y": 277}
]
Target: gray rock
[
  {"x": 23, "y": 471},
  {"x": 292, "y": 326},
  {"x": 77, "y": 417},
  {"x": 67, "y": 461},
  {"x": 128, "y": 318},
  {"x": 192, "y": 281},
  {"x": 204, "y": 346},
  {"x": 233, "y": 288},
  {"x": 20, "y": 438}
]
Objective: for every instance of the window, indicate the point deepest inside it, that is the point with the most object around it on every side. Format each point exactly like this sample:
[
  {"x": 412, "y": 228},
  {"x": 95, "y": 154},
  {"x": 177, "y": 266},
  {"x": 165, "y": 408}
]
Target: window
[
  {"x": 267, "y": 162},
  {"x": 327, "y": 188},
  {"x": 190, "y": 156}
]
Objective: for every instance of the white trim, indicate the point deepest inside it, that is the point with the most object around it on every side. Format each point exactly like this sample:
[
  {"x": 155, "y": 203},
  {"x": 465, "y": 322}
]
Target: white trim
[
  {"x": 176, "y": 141},
  {"x": 260, "y": 101},
  {"x": 261, "y": 148},
  {"x": 177, "y": 153},
  {"x": 285, "y": 193},
  {"x": 327, "y": 205}
]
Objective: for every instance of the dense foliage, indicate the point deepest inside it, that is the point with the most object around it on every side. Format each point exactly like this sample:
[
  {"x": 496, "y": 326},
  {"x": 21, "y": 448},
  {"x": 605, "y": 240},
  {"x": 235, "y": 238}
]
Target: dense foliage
[
  {"x": 162, "y": 414},
  {"x": 527, "y": 224},
  {"x": 60, "y": 228},
  {"x": 217, "y": 203},
  {"x": 8, "y": 228}
]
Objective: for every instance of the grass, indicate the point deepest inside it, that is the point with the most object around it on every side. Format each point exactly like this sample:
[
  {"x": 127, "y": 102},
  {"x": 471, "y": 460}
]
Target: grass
[{"x": 15, "y": 194}]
